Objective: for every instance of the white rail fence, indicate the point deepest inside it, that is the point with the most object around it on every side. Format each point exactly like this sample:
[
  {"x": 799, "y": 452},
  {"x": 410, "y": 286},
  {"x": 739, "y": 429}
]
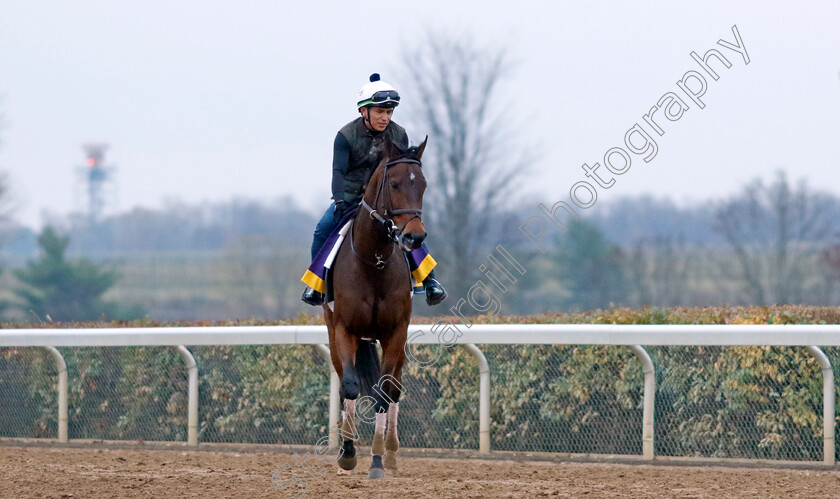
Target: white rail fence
[{"x": 633, "y": 336}]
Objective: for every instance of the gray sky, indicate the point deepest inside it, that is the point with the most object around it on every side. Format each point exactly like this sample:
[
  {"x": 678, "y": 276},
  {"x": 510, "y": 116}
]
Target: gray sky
[{"x": 204, "y": 101}]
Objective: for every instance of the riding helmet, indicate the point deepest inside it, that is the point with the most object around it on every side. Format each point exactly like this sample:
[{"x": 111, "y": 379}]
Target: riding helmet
[{"x": 377, "y": 93}]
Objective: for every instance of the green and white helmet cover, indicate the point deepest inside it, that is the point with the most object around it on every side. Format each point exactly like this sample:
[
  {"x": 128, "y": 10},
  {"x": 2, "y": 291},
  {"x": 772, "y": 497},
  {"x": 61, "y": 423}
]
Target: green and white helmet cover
[{"x": 377, "y": 93}]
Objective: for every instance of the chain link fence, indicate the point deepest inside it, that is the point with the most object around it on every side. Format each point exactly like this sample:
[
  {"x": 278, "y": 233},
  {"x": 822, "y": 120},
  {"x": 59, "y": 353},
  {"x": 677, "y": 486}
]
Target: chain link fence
[{"x": 722, "y": 402}]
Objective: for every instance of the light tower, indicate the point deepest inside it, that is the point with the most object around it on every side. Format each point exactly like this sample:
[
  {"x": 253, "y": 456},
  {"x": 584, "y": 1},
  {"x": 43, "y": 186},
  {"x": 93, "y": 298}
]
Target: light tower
[{"x": 95, "y": 177}]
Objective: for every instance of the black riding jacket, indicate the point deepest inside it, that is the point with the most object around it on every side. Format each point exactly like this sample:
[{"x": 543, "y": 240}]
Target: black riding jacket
[{"x": 355, "y": 153}]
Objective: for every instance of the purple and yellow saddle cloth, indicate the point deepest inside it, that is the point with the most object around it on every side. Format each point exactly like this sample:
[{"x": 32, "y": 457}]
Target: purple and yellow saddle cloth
[{"x": 420, "y": 262}]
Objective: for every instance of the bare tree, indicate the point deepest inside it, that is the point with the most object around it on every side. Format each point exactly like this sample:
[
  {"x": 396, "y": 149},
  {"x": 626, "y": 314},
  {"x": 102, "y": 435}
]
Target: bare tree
[
  {"x": 472, "y": 160},
  {"x": 6, "y": 210},
  {"x": 831, "y": 259},
  {"x": 5, "y": 203},
  {"x": 6, "y": 206},
  {"x": 660, "y": 269},
  {"x": 775, "y": 230}
]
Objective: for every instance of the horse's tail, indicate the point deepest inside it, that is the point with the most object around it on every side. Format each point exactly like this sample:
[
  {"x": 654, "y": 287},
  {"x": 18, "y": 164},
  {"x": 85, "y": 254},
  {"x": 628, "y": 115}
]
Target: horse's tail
[{"x": 367, "y": 366}]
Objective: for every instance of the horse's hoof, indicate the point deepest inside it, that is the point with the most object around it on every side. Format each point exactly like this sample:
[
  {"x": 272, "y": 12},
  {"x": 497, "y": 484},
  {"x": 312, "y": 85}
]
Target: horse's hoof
[
  {"x": 392, "y": 472},
  {"x": 390, "y": 459},
  {"x": 347, "y": 463},
  {"x": 376, "y": 473},
  {"x": 342, "y": 472},
  {"x": 376, "y": 469}
]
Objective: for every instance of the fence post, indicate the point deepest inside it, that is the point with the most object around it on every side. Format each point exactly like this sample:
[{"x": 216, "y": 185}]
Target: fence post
[
  {"x": 61, "y": 366},
  {"x": 192, "y": 396},
  {"x": 828, "y": 403},
  {"x": 335, "y": 400},
  {"x": 483, "y": 398},
  {"x": 649, "y": 401}
]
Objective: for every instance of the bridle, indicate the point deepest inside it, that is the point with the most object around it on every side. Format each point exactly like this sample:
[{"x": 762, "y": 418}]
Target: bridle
[{"x": 394, "y": 232}]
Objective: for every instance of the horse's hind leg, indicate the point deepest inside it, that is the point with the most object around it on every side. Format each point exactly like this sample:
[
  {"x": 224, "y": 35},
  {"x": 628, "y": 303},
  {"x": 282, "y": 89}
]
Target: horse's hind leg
[
  {"x": 392, "y": 441},
  {"x": 387, "y": 394},
  {"x": 378, "y": 447}
]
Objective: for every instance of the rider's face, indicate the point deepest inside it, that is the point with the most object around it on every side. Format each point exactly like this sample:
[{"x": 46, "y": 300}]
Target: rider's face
[{"x": 379, "y": 117}]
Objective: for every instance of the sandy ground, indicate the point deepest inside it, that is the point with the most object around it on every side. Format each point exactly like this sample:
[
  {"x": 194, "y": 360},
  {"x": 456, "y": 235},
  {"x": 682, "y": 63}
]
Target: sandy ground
[{"x": 78, "y": 473}]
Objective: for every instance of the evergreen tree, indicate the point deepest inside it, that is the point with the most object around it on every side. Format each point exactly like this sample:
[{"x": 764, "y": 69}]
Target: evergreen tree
[{"x": 64, "y": 290}]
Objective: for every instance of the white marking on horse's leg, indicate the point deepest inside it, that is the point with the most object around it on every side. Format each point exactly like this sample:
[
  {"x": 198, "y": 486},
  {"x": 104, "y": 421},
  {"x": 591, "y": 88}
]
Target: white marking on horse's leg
[
  {"x": 349, "y": 433},
  {"x": 378, "y": 447},
  {"x": 379, "y": 429},
  {"x": 350, "y": 406},
  {"x": 349, "y": 423},
  {"x": 393, "y": 412},
  {"x": 392, "y": 441}
]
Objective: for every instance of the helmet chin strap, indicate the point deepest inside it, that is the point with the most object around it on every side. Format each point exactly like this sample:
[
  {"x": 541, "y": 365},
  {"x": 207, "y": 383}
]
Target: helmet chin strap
[{"x": 369, "y": 123}]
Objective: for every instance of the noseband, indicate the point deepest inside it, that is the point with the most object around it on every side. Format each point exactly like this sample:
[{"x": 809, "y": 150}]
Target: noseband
[{"x": 394, "y": 232}]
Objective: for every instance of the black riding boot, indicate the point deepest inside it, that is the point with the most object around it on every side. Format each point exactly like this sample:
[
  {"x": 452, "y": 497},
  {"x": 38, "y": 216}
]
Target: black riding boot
[
  {"x": 312, "y": 297},
  {"x": 434, "y": 291}
]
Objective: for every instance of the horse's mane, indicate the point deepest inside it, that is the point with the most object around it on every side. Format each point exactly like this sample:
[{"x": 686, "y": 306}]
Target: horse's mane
[{"x": 394, "y": 151}]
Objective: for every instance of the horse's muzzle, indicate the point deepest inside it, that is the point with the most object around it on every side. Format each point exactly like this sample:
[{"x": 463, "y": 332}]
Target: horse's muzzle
[{"x": 412, "y": 240}]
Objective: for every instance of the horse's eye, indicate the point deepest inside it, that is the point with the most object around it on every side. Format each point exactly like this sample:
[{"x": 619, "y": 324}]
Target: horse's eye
[{"x": 395, "y": 185}]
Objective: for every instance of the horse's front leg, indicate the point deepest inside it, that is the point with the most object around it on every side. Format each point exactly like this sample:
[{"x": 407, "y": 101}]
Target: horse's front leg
[
  {"x": 346, "y": 346},
  {"x": 349, "y": 433}
]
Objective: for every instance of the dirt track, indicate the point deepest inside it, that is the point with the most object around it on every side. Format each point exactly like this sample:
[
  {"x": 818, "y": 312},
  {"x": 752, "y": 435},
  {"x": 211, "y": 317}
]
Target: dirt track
[{"x": 65, "y": 472}]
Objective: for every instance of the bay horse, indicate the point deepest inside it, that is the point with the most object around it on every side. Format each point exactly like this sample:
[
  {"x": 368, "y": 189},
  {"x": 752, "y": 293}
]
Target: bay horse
[{"x": 372, "y": 302}]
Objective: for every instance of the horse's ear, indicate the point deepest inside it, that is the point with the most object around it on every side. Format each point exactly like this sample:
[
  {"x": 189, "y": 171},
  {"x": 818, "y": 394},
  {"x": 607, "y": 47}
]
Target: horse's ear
[{"x": 422, "y": 147}]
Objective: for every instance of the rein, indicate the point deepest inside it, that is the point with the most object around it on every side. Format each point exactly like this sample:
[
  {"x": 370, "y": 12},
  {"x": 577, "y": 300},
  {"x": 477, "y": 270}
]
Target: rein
[{"x": 394, "y": 232}]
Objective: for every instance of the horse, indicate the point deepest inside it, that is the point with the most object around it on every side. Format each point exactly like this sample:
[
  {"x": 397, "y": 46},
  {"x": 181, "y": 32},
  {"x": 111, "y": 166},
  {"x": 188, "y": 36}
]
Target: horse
[{"x": 372, "y": 302}]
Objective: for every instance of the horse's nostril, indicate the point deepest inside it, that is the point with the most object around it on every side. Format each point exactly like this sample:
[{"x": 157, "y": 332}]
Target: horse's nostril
[{"x": 412, "y": 238}]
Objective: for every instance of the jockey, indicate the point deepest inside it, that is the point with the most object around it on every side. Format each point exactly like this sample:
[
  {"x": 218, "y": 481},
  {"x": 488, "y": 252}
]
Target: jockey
[{"x": 355, "y": 153}]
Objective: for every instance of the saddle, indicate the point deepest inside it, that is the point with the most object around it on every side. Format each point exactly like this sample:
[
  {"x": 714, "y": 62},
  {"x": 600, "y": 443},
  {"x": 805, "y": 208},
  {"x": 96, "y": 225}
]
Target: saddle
[{"x": 319, "y": 274}]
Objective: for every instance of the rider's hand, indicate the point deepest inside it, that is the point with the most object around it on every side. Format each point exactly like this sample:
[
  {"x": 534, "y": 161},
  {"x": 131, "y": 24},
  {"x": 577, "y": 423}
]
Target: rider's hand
[{"x": 338, "y": 213}]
